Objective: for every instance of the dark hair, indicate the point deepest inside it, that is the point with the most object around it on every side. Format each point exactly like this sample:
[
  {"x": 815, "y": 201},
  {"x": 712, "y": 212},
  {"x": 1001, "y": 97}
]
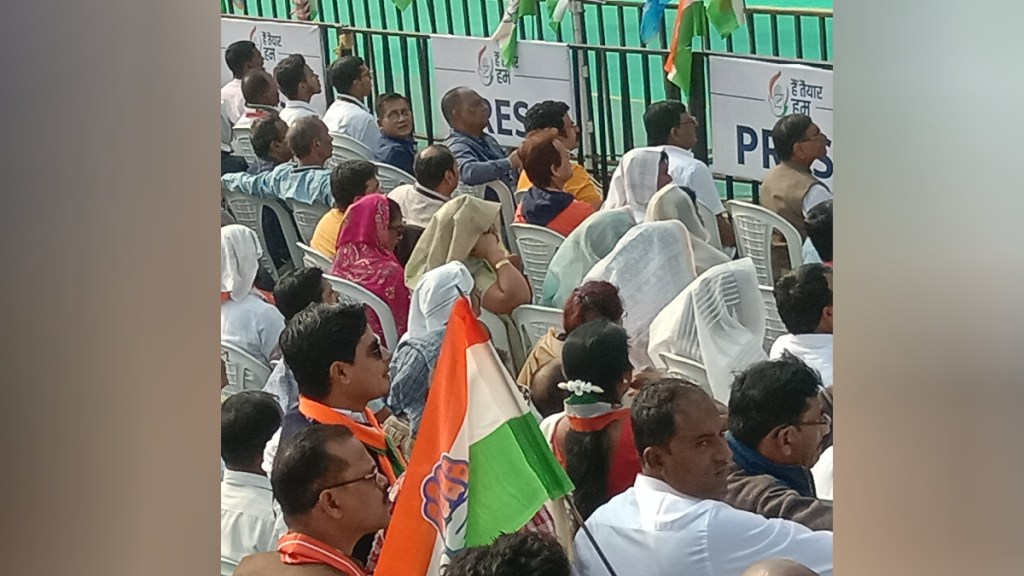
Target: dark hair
[
  {"x": 654, "y": 409},
  {"x": 238, "y": 55},
  {"x": 594, "y": 299},
  {"x": 801, "y": 296},
  {"x": 450, "y": 101},
  {"x": 348, "y": 181},
  {"x": 302, "y": 466},
  {"x": 770, "y": 394},
  {"x": 263, "y": 133},
  {"x": 289, "y": 73},
  {"x": 819, "y": 229},
  {"x": 660, "y": 118},
  {"x": 546, "y": 114},
  {"x": 344, "y": 71},
  {"x": 389, "y": 97},
  {"x": 431, "y": 164},
  {"x": 297, "y": 289},
  {"x": 248, "y": 420},
  {"x": 516, "y": 554},
  {"x": 539, "y": 156},
  {"x": 596, "y": 352},
  {"x": 788, "y": 131},
  {"x": 302, "y": 134},
  {"x": 394, "y": 211},
  {"x": 316, "y": 338},
  {"x": 255, "y": 84}
]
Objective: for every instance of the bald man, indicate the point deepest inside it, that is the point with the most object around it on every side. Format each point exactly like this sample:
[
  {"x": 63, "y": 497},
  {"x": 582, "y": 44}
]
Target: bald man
[
  {"x": 481, "y": 159},
  {"x": 779, "y": 567},
  {"x": 261, "y": 97},
  {"x": 436, "y": 180}
]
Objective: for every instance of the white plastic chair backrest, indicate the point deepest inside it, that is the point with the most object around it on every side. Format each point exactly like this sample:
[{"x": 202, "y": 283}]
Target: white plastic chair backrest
[
  {"x": 348, "y": 148},
  {"x": 773, "y": 326},
  {"x": 243, "y": 143},
  {"x": 248, "y": 211},
  {"x": 245, "y": 372},
  {"x": 534, "y": 322},
  {"x": 498, "y": 330},
  {"x": 753, "y": 225},
  {"x": 391, "y": 177},
  {"x": 688, "y": 369},
  {"x": 313, "y": 259},
  {"x": 518, "y": 197},
  {"x": 352, "y": 292},
  {"x": 307, "y": 216},
  {"x": 537, "y": 246},
  {"x": 710, "y": 222},
  {"x": 227, "y": 567},
  {"x": 508, "y": 203}
]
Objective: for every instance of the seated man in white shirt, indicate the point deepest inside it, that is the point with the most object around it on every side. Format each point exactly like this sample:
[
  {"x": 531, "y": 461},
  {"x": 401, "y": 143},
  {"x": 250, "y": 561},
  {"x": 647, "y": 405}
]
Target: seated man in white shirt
[
  {"x": 803, "y": 298},
  {"x": 242, "y": 57},
  {"x": 299, "y": 84},
  {"x": 436, "y": 180},
  {"x": 672, "y": 520},
  {"x": 261, "y": 97},
  {"x": 353, "y": 82},
  {"x": 247, "y": 516},
  {"x": 672, "y": 128}
]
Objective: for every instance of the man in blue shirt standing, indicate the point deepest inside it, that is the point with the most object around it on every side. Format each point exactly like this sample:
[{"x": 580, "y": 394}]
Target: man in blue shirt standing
[
  {"x": 396, "y": 146},
  {"x": 481, "y": 159}
]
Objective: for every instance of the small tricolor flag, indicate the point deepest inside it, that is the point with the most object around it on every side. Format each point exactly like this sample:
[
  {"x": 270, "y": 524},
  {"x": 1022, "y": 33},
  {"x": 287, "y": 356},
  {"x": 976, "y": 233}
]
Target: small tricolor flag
[
  {"x": 506, "y": 34},
  {"x": 480, "y": 466},
  {"x": 691, "y": 21}
]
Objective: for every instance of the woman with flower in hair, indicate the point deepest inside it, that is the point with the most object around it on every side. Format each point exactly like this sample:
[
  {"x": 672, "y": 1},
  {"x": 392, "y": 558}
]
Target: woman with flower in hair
[{"x": 593, "y": 439}]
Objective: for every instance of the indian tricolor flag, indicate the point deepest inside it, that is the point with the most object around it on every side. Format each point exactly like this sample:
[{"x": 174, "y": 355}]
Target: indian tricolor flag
[
  {"x": 691, "y": 21},
  {"x": 480, "y": 466},
  {"x": 506, "y": 34}
]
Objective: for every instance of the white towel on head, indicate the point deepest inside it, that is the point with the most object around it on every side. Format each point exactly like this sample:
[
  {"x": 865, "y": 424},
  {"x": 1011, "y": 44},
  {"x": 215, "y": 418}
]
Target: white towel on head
[
  {"x": 240, "y": 254},
  {"x": 634, "y": 181},
  {"x": 435, "y": 295}
]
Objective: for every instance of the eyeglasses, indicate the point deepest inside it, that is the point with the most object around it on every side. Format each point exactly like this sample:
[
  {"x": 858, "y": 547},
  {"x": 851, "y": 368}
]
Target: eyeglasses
[
  {"x": 815, "y": 137},
  {"x": 373, "y": 475},
  {"x": 826, "y": 420},
  {"x": 690, "y": 120}
]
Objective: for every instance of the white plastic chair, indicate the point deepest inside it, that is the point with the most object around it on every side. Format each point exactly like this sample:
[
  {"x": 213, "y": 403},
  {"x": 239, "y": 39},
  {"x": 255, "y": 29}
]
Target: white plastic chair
[
  {"x": 306, "y": 217},
  {"x": 690, "y": 370},
  {"x": 248, "y": 211},
  {"x": 773, "y": 326},
  {"x": 711, "y": 224},
  {"x": 537, "y": 245},
  {"x": 245, "y": 372},
  {"x": 227, "y": 567},
  {"x": 499, "y": 332},
  {"x": 314, "y": 259},
  {"x": 508, "y": 203},
  {"x": 754, "y": 225},
  {"x": 534, "y": 322},
  {"x": 348, "y": 148},
  {"x": 242, "y": 143},
  {"x": 391, "y": 177},
  {"x": 352, "y": 292},
  {"x": 518, "y": 196}
]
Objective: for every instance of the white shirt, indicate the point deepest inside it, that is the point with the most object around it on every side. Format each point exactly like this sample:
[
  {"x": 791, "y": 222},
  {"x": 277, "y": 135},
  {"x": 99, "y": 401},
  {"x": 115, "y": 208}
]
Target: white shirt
[
  {"x": 822, "y": 473},
  {"x": 350, "y": 117},
  {"x": 231, "y": 95},
  {"x": 669, "y": 534},
  {"x": 814, "y": 349},
  {"x": 254, "y": 325},
  {"x": 816, "y": 194},
  {"x": 295, "y": 109},
  {"x": 249, "y": 520},
  {"x": 225, "y": 127},
  {"x": 695, "y": 175},
  {"x": 418, "y": 203}
]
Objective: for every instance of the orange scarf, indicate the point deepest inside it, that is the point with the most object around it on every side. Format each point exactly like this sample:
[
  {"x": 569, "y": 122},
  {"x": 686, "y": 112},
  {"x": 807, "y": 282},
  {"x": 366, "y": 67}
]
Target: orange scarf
[
  {"x": 372, "y": 435},
  {"x": 298, "y": 548}
]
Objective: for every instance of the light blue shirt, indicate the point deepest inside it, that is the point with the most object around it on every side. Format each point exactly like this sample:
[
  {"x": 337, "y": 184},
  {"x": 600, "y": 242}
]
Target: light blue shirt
[{"x": 288, "y": 181}]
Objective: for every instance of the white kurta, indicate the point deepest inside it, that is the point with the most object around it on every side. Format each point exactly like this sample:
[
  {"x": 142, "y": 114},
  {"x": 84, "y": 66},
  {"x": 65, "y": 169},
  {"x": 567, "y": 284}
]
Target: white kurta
[
  {"x": 249, "y": 522},
  {"x": 814, "y": 349},
  {"x": 668, "y": 534}
]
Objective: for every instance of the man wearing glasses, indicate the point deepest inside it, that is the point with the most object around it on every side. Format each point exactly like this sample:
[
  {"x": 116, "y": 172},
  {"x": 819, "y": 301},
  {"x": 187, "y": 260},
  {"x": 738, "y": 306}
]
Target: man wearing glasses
[
  {"x": 790, "y": 189},
  {"x": 332, "y": 494},
  {"x": 778, "y": 425},
  {"x": 396, "y": 146}
]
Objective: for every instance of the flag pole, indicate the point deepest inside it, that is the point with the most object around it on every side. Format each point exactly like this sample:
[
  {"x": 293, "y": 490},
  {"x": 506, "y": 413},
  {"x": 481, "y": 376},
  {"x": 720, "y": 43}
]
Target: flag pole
[{"x": 571, "y": 505}]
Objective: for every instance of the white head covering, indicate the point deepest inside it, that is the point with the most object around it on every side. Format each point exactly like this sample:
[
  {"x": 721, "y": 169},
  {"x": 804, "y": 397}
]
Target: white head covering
[
  {"x": 650, "y": 265},
  {"x": 435, "y": 295},
  {"x": 718, "y": 320},
  {"x": 240, "y": 254},
  {"x": 671, "y": 203},
  {"x": 588, "y": 243},
  {"x": 634, "y": 181}
]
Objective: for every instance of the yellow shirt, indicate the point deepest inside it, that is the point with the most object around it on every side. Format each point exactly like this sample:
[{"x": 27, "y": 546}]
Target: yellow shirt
[
  {"x": 581, "y": 185},
  {"x": 325, "y": 237}
]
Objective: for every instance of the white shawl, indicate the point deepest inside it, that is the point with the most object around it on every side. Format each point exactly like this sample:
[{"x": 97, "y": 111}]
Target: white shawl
[
  {"x": 240, "y": 254},
  {"x": 671, "y": 203},
  {"x": 635, "y": 181}
]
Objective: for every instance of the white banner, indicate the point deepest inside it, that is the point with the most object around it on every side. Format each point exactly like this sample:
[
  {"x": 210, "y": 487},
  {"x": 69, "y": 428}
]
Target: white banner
[
  {"x": 747, "y": 99},
  {"x": 276, "y": 41},
  {"x": 543, "y": 74}
]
